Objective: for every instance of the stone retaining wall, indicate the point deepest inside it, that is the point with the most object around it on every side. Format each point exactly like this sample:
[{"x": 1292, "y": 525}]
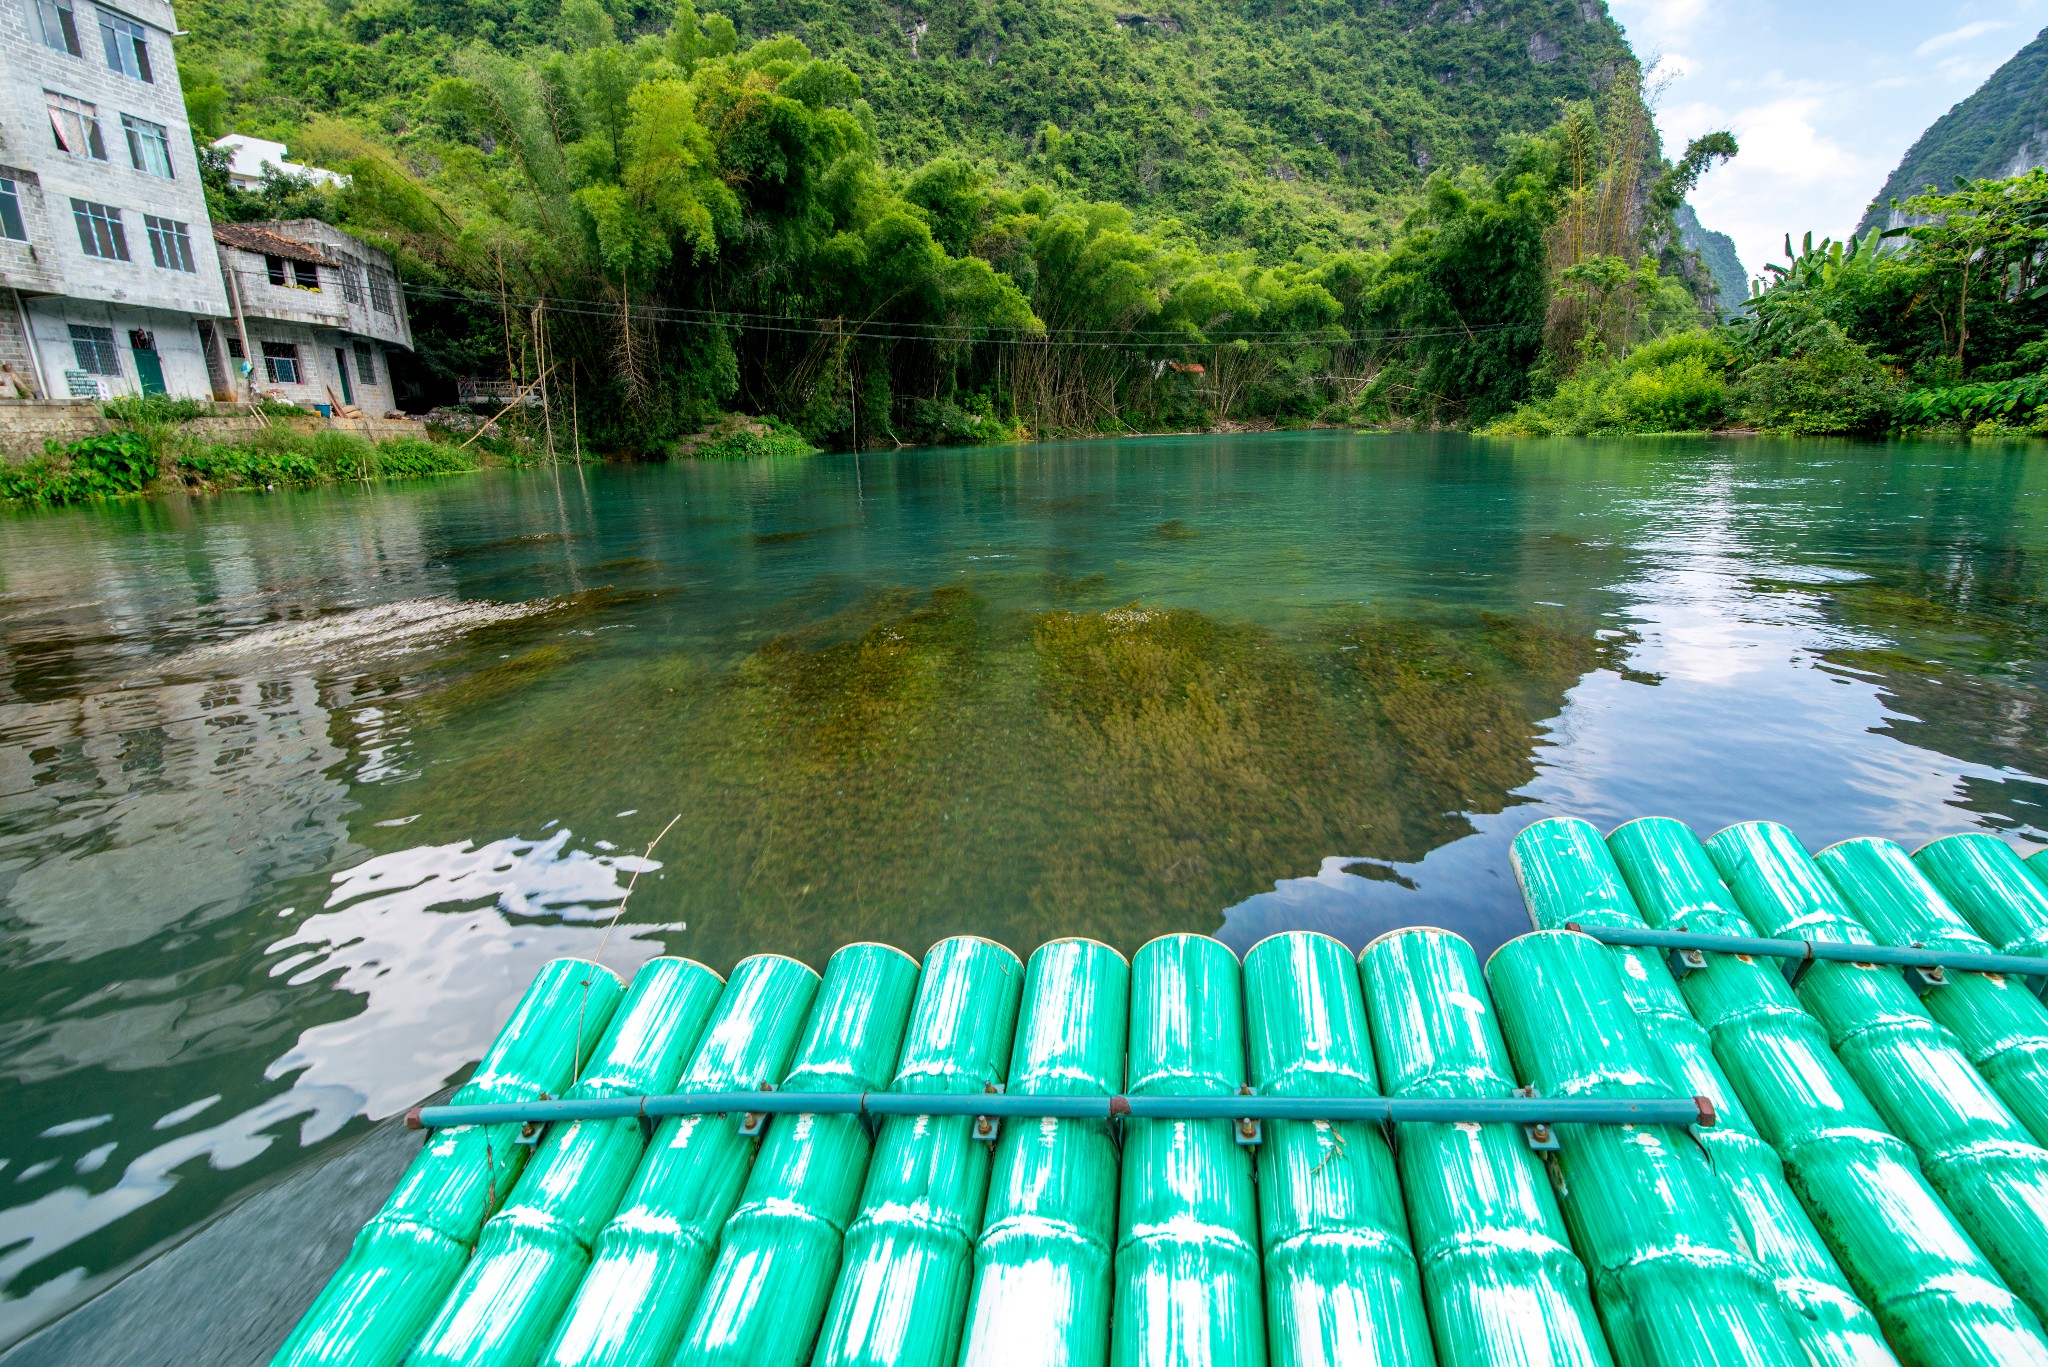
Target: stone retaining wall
[{"x": 27, "y": 426}]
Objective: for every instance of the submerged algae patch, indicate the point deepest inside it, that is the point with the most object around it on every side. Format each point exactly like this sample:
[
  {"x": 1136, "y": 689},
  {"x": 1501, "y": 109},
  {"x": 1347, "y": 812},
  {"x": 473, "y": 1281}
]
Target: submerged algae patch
[{"x": 922, "y": 764}]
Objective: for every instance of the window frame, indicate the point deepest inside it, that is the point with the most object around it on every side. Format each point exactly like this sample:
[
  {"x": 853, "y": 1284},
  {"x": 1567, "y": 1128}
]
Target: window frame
[
  {"x": 125, "y": 42},
  {"x": 170, "y": 243},
  {"x": 141, "y": 131},
  {"x": 13, "y": 223},
  {"x": 98, "y": 361},
  {"x": 59, "y": 106},
  {"x": 382, "y": 288},
  {"x": 101, "y": 234},
  {"x": 65, "y": 37},
  {"x": 305, "y": 275},
  {"x": 286, "y": 353},
  {"x": 366, "y": 362}
]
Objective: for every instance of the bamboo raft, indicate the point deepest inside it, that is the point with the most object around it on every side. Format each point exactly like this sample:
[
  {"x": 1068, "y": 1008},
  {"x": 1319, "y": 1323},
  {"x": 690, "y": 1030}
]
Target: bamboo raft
[{"x": 1729, "y": 1103}]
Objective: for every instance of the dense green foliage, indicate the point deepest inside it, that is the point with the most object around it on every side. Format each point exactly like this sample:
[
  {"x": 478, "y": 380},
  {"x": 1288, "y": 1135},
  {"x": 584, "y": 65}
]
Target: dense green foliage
[
  {"x": 153, "y": 449},
  {"x": 1266, "y": 125},
  {"x": 1984, "y": 136},
  {"x": 1939, "y": 325},
  {"x": 978, "y": 225}
]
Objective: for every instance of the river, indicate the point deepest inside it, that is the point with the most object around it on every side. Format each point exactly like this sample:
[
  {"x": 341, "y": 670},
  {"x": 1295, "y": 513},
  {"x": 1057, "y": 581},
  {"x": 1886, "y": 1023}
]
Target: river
[{"x": 297, "y": 790}]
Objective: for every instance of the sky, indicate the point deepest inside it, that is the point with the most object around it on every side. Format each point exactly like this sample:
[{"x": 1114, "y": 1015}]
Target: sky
[{"x": 1824, "y": 97}]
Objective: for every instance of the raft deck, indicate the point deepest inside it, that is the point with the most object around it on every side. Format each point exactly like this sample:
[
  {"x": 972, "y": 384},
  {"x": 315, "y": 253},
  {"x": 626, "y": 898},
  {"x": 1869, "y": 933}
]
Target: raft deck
[{"x": 1730, "y": 1102}]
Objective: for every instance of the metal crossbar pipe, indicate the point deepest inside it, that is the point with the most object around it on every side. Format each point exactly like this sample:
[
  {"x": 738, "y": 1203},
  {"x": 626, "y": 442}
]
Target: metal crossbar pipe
[
  {"x": 1689, "y": 1110},
  {"x": 1965, "y": 961}
]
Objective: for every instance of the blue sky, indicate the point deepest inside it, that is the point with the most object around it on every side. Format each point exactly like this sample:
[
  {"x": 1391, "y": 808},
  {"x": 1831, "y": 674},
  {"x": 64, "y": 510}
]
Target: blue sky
[{"x": 1824, "y": 96}]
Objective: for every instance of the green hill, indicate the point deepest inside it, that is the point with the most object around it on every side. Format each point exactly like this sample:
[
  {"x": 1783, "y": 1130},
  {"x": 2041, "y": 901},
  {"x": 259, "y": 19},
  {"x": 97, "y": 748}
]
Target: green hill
[
  {"x": 1999, "y": 131},
  {"x": 1717, "y": 254},
  {"x": 1268, "y": 123}
]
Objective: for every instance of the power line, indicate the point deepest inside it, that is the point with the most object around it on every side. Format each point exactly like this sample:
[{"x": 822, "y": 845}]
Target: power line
[{"x": 971, "y": 334}]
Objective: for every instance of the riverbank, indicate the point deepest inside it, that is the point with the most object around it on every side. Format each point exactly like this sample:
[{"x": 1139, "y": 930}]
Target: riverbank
[{"x": 156, "y": 446}]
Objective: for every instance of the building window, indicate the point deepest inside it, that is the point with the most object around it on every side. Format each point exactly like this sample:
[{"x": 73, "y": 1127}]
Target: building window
[
  {"x": 94, "y": 348},
  {"x": 380, "y": 289},
  {"x": 59, "y": 25},
  {"x": 127, "y": 46},
  {"x": 350, "y": 271},
  {"x": 99, "y": 230},
  {"x": 274, "y": 266},
  {"x": 76, "y": 125},
  {"x": 235, "y": 347},
  {"x": 366, "y": 363},
  {"x": 281, "y": 362},
  {"x": 170, "y": 244},
  {"x": 305, "y": 275},
  {"x": 11, "y": 224},
  {"x": 149, "y": 145}
]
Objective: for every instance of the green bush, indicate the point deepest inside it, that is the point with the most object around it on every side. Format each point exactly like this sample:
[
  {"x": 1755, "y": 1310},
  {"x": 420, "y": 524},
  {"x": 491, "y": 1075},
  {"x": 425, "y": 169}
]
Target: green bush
[
  {"x": 155, "y": 408},
  {"x": 746, "y": 443},
  {"x": 1835, "y": 388},
  {"x": 408, "y": 457},
  {"x": 271, "y": 465},
  {"x": 1677, "y": 384},
  {"x": 102, "y": 466}
]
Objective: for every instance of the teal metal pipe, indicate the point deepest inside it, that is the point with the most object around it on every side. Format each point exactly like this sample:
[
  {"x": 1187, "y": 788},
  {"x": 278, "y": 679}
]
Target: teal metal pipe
[
  {"x": 1500, "y": 1281},
  {"x": 1669, "y": 1274},
  {"x": 2002, "y": 1026},
  {"x": 1975, "y": 1153},
  {"x": 1187, "y": 1261},
  {"x": 404, "y": 1261},
  {"x": 1821, "y": 951},
  {"x": 1674, "y": 1110},
  {"x": 652, "y": 1257},
  {"x": 779, "y": 1255},
  {"x": 534, "y": 1251},
  {"x": 1997, "y": 893},
  {"x": 1042, "y": 1271},
  {"x": 902, "y": 1291},
  {"x": 1341, "y": 1281},
  {"x": 1570, "y": 876}
]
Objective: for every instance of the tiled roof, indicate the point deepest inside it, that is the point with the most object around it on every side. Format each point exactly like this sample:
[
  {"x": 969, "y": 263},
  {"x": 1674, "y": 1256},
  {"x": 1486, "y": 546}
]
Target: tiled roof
[{"x": 253, "y": 237}]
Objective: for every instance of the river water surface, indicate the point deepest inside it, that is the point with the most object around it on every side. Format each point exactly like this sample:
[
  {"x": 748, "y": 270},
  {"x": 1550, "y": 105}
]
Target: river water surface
[{"x": 296, "y": 791}]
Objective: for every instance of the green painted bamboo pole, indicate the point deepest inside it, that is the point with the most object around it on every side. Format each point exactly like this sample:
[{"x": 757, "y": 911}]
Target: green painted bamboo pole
[
  {"x": 1187, "y": 1262},
  {"x": 2000, "y": 1023},
  {"x": 1975, "y": 1153},
  {"x": 534, "y": 1251},
  {"x": 1669, "y": 1274},
  {"x": 1341, "y": 1281},
  {"x": 1042, "y": 1271},
  {"x": 1500, "y": 1281},
  {"x": 902, "y": 1291},
  {"x": 779, "y": 1255},
  {"x": 651, "y": 1259},
  {"x": 1994, "y": 890},
  {"x": 403, "y": 1262},
  {"x": 1569, "y": 874}
]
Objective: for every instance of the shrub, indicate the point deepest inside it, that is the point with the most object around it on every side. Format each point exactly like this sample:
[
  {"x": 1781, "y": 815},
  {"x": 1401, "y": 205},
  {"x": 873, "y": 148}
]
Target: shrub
[
  {"x": 264, "y": 466},
  {"x": 1676, "y": 384},
  {"x": 779, "y": 440},
  {"x": 102, "y": 466},
  {"x": 155, "y": 408},
  {"x": 410, "y": 457},
  {"x": 1834, "y": 388}
]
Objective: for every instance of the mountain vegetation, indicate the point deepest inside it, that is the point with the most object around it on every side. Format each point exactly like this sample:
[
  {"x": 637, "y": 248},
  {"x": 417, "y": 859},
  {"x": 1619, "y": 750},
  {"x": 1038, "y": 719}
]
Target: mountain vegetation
[
  {"x": 2000, "y": 130},
  {"x": 885, "y": 226}
]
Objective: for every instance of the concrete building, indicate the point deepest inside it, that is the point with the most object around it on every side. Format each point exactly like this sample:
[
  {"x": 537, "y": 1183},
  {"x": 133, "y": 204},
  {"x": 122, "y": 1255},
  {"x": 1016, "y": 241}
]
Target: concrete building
[
  {"x": 250, "y": 159},
  {"x": 108, "y": 275},
  {"x": 316, "y": 313}
]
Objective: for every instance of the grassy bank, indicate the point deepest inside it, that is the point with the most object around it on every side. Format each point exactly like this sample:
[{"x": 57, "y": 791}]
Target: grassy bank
[{"x": 154, "y": 447}]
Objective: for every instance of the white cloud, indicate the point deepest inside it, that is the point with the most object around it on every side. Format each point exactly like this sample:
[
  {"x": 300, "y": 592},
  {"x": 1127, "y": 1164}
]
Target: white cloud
[
  {"x": 1956, "y": 37},
  {"x": 1655, "y": 20}
]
